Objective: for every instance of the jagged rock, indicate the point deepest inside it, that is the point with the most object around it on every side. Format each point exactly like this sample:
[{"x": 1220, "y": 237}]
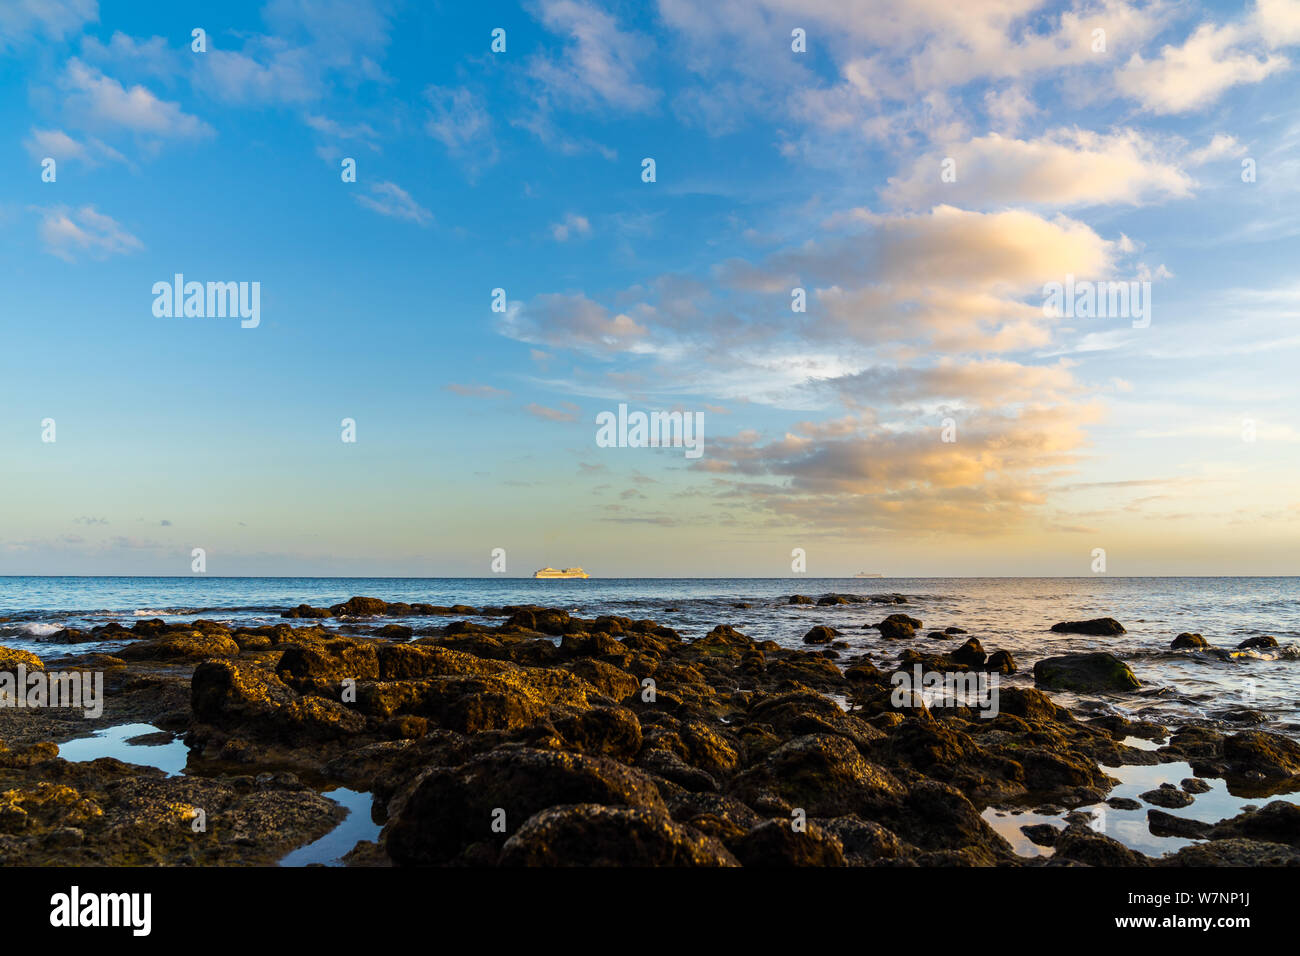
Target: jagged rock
[
  {"x": 306, "y": 610},
  {"x": 1041, "y": 834},
  {"x": 1275, "y": 822},
  {"x": 822, "y": 774},
  {"x": 360, "y": 607},
  {"x": 11, "y": 659},
  {"x": 186, "y": 646},
  {"x": 448, "y": 812},
  {"x": 1168, "y": 796},
  {"x": 864, "y": 841},
  {"x": 1233, "y": 853},
  {"x": 590, "y": 834},
  {"x": 1001, "y": 662},
  {"x": 1260, "y": 754},
  {"x": 1163, "y": 824},
  {"x": 937, "y": 816},
  {"x": 776, "y": 844},
  {"x": 971, "y": 654},
  {"x": 612, "y": 731},
  {"x": 1082, "y": 845}
]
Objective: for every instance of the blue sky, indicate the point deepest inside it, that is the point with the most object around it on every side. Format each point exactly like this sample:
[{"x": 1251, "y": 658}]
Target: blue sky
[{"x": 775, "y": 169}]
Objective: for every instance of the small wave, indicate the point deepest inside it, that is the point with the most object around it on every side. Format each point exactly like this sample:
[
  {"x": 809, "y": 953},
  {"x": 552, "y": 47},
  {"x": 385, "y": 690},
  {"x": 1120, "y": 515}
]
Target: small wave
[
  {"x": 1287, "y": 652},
  {"x": 1166, "y": 656},
  {"x": 35, "y": 630}
]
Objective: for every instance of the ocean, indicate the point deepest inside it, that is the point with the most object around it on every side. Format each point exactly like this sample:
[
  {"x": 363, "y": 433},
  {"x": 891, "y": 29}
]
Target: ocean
[{"x": 1012, "y": 614}]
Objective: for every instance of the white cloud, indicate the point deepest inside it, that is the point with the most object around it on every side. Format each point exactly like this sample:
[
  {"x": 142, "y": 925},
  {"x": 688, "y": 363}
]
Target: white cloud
[
  {"x": 58, "y": 145},
  {"x": 1222, "y": 145},
  {"x": 66, "y": 233},
  {"x": 1008, "y": 108},
  {"x": 99, "y": 100},
  {"x": 310, "y": 41},
  {"x": 573, "y": 321},
  {"x": 23, "y": 20},
  {"x": 1183, "y": 78},
  {"x": 151, "y": 57},
  {"x": 600, "y": 64},
  {"x": 344, "y": 33},
  {"x": 572, "y": 226},
  {"x": 1278, "y": 21},
  {"x": 903, "y": 52},
  {"x": 329, "y": 127},
  {"x": 1070, "y": 167},
  {"x": 273, "y": 72}
]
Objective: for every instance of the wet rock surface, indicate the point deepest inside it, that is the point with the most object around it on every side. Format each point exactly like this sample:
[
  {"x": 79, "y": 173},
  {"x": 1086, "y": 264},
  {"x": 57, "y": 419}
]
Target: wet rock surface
[
  {"x": 1098, "y": 627},
  {"x": 533, "y": 737},
  {"x": 1190, "y": 642},
  {"x": 1085, "y": 673}
]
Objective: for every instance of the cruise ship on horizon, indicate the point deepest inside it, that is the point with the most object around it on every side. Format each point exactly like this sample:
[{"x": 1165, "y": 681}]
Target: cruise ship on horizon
[{"x": 557, "y": 573}]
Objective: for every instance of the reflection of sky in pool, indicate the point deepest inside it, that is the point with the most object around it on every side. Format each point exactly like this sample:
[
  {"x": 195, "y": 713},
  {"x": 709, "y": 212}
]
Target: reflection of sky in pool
[
  {"x": 113, "y": 742},
  {"x": 332, "y": 846},
  {"x": 171, "y": 757},
  {"x": 1130, "y": 826}
]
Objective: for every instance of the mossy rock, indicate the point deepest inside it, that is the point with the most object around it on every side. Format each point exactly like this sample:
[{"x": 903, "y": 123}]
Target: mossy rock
[
  {"x": 10, "y": 658},
  {"x": 1098, "y": 627},
  {"x": 1085, "y": 673}
]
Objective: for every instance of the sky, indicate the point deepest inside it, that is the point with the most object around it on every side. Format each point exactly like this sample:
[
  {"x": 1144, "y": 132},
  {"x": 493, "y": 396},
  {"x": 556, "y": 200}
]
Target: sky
[{"x": 915, "y": 173}]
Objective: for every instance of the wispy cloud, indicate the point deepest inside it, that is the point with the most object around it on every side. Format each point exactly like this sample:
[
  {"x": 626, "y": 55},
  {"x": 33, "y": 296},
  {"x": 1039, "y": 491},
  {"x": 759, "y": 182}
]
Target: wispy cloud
[
  {"x": 60, "y": 146},
  {"x": 599, "y": 65},
  {"x": 572, "y": 226},
  {"x": 67, "y": 233},
  {"x": 24, "y": 21},
  {"x": 477, "y": 391},
  {"x": 552, "y": 414},
  {"x": 390, "y": 199},
  {"x": 96, "y": 100},
  {"x": 459, "y": 118}
]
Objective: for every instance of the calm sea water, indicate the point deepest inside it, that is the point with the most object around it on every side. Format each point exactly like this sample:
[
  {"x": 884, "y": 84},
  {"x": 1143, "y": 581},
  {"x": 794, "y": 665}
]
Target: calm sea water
[{"x": 1004, "y": 613}]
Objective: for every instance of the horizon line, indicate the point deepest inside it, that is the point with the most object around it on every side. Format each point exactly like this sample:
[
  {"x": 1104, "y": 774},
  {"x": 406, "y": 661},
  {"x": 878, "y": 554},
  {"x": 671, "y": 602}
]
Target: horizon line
[{"x": 832, "y": 577}]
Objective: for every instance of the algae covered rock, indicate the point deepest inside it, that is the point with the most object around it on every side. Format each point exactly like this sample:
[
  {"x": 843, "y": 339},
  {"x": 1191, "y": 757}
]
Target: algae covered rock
[
  {"x": 776, "y": 843},
  {"x": 476, "y": 807},
  {"x": 821, "y": 634},
  {"x": 591, "y": 834},
  {"x": 822, "y": 774},
  {"x": 1097, "y": 627},
  {"x": 1085, "y": 673},
  {"x": 11, "y": 658},
  {"x": 183, "y": 646},
  {"x": 1259, "y": 754},
  {"x": 1255, "y": 643},
  {"x": 360, "y": 607},
  {"x": 898, "y": 627}
]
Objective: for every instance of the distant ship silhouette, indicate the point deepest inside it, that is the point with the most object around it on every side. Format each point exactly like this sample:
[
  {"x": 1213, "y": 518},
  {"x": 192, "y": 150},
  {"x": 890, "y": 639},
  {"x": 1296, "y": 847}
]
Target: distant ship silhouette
[
  {"x": 557, "y": 573},
  {"x": 868, "y": 574}
]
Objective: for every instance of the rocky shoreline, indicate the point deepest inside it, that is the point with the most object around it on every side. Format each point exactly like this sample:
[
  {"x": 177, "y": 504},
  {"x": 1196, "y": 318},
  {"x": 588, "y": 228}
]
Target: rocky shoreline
[{"x": 547, "y": 739}]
